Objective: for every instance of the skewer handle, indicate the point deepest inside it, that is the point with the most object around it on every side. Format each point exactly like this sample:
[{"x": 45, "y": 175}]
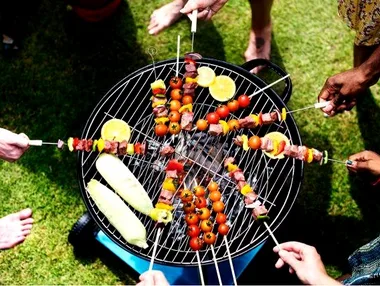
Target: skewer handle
[
  {"x": 194, "y": 19},
  {"x": 230, "y": 260},
  {"x": 200, "y": 269},
  {"x": 35, "y": 142},
  {"x": 321, "y": 104},
  {"x": 272, "y": 235}
]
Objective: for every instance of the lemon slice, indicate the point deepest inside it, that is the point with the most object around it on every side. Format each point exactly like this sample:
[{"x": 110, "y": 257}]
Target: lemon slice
[
  {"x": 116, "y": 130},
  {"x": 206, "y": 76},
  {"x": 223, "y": 88},
  {"x": 276, "y": 136}
]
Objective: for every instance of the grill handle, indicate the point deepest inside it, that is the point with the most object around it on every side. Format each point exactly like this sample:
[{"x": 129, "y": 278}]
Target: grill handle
[{"x": 286, "y": 93}]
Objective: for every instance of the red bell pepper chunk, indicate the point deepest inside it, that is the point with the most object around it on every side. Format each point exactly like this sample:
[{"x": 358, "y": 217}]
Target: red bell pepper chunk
[
  {"x": 189, "y": 61},
  {"x": 174, "y": 165},
  {"x": 158, "y": 91},
  {"x": 75, "y": 142},
  {"x": 138, "y": 148},
  {"x": 281, "y": 147}
]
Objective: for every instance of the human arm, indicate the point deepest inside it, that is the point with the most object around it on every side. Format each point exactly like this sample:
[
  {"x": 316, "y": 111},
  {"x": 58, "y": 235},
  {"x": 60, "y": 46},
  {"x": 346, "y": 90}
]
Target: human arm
[
  {"x": 12, "y": 145},
  {"x": 206, "y": 8},
  {"x": 365, "y": 161},
  {"x": 305, "y": 261},
  {"x": 152, "y": 278},
  {"x": 342, "y": 89}
]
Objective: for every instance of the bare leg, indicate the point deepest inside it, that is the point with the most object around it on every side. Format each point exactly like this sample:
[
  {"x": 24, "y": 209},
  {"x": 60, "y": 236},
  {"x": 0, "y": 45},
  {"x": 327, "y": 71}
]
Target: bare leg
[
  {"x": 165, "y": 16},
  {"x": 261, "y": 29},
  {"x": 14, "y": 228}
]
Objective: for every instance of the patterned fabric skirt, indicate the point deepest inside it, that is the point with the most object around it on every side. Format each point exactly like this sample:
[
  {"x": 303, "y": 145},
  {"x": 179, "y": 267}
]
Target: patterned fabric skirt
[{"x": 363, "y": 16}]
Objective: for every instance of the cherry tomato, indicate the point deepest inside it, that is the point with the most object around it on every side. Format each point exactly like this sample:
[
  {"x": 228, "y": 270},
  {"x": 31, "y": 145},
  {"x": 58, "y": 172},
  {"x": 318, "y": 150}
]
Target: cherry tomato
[
  {"x": 186, "y": 196},
  {"x": 199, "y": 191},
  {"x": 175, "y": 82},
  {"x": 193, "y": 230},
  {"x": 209, "y": 238},
  {"x": 220, "y": 218},
  {"x": 223, "y": 229},
  {"x": 200, "y": 202},
  {"x": 176, "y": 94},
  {"x": 254, "y": 142},
  {"x": 202, "y": 124},
  {"x": 215, "y": 196},
  {"x": 189, "y": 207},
  {"x": 203, "y": 213},
  {"x": 218, "y": 206},
  {"x": 191, "y": 218},
  {"x": 233, "y": 105},
  {"x": 213, "y": 186},
  {"x": 174, "y": 116},
  {"x": 161, "y": 129},
  {"x": 196, "y": 243},
  {"x": 244, "y": 101},
  {"x": 213, "y": 118},
  {"x": 186, "y": 99},
  {"x": 174, "y": 128},
  {"x": 206, "y": 225},
  {"x": 233, "y": 124},
  {"x": 174, "y": 105},
  {"x": 223, "y": 111}
]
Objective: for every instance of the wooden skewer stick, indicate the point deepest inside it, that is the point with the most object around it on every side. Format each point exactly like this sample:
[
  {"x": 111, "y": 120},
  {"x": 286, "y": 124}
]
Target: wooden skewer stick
[
  {"x": 272, "y": 235},
  {"x": 268, "y": 86},
  {"x": 178, "y": 48},
  {"x": 230, "y": 260},
  {"x": 200, "y": 268},
  {"x": 216, "y": 266},
  {"x": 154, "y": 249}
]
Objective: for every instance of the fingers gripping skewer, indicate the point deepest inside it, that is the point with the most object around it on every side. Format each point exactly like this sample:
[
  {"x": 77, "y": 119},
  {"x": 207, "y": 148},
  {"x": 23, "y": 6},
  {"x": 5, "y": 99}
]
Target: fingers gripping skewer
[
  {"x": 230, "y": 260},
  {"x": 216, "y": 265},
  {"x": 200, "y": 268},
  {"x": 154, "y": 248},
  {"x": 268, "y": 86},
  {"x": 272, "y": 235}
]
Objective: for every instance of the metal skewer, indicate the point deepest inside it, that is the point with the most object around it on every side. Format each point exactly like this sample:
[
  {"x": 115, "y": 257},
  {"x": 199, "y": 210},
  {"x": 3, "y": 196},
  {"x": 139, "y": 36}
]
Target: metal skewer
[
  {"x": 272, "y": 235},
  {"x": 178, "y": 48},
  {"x": 194, "y": 18},
  {"x": 40, "y": 143},
  {"x": 268, "y": 86},
  {"x": 154, "y": 249},
  {"x": 216, "y": 265},
  {"x": 200, "y": 268},
  {"x": 316, "y": 105},
  {"x": 347, "y": 162},
  {"x": 230, "y": 260}
]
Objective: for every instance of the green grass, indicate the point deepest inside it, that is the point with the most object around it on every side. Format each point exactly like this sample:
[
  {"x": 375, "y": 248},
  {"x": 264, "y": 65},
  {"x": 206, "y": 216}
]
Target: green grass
[{"x": 49, "y": 91}]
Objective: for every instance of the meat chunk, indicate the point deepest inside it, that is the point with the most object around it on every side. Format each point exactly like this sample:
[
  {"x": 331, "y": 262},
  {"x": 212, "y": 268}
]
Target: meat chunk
[
  {"x": 266, "y": 118},
  {"x": 250, "y": 198},
  {"x": 238, "y": 140},
  {"x": 215, "y": 129},
  {"x": 247, "y": 122},
  {"x": 171, "y": 174},
  {"x": 229, "y": 160},
  {"x": 287, "y": 150},
  {"x": 317, "y": 155},
  {"x": 259, "y": 211},
  {"x": 237, "y": 175},
  {"x": 166, "y": 197},
  {"x": 123, "y": 147},
  {"x": 167, "y": 150},
  {"x": 190, "y": 67},
  {"x": 187, "y": 120}
]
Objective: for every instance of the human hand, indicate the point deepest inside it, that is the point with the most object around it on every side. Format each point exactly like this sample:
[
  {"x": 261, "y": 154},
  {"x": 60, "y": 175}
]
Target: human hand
[
  {"x": 342, "y": 89},
  {"x": 365, "y": 161},
  {"x": 206, "y": 8},
  {"x": 152, "y": 278},
  {"x": 12, "y": 145},
  {"x": 305, "y": 261}
]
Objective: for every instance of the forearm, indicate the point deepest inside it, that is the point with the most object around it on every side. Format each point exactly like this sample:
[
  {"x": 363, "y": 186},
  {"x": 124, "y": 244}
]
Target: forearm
[{"x": 371, "y": 68}]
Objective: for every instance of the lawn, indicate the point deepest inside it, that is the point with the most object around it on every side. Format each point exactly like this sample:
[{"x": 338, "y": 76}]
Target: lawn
[{"x": 66, "y": 66}]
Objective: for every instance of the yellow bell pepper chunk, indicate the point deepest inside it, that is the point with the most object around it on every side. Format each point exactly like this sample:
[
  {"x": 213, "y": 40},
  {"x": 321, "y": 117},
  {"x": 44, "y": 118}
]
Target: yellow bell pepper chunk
[
  {"x": 169, "y": 185},
  {"x": 255, "y": 118},
  {"x": 161, "y": 120},
  {"x": 158, "y": 84},
  {"x": 310, "y": 156},
  {"x": 70, "y": 142},
  {"x": 164, "y": 206},
  {"x": 161, "y": 215},
  {"x": 190, "y": 80},
  {"x": 246, "y": 189},
  {"x": 224, "y": 126},
  {"x": 159, "y": 102},
  {"x": 186, "y": 107},
  {"x": 283, "y": 114},
  {"x": 275, "y": 147},
  {"x": 232, "y": 167},
  {"x": 100, "y": 145},
  {"x": 245, "y": 142}
]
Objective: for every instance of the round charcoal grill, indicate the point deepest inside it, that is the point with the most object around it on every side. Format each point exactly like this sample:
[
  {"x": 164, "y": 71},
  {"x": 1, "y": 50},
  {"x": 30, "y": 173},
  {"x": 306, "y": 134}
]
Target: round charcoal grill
[{"x": 277, "y": 182}]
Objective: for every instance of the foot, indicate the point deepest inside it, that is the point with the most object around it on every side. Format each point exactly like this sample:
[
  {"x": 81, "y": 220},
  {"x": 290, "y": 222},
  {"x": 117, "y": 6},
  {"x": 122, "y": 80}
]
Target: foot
[
  {"x": 165, "y": 16},
  {"x": 14, "y": 228},
  {"x": 259, "y": 45}
]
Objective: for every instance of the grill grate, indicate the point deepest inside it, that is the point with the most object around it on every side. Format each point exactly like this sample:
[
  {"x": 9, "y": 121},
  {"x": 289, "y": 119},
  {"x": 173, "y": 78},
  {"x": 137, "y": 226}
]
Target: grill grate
[{"x": 277, "y": 182}]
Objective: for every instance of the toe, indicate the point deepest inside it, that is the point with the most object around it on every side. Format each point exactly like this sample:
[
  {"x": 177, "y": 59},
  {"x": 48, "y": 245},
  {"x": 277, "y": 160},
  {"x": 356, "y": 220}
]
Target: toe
[{"x": 25, "y": 213}]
